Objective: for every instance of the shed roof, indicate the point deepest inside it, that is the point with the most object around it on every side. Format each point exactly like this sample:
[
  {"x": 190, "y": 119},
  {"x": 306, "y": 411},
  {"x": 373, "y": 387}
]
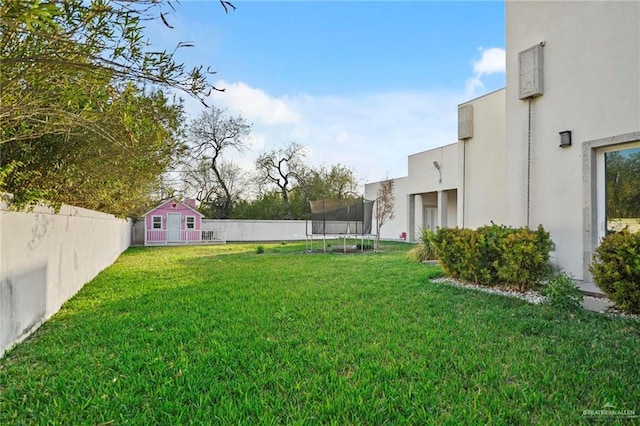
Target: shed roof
[{"x": 171, "y": 200}]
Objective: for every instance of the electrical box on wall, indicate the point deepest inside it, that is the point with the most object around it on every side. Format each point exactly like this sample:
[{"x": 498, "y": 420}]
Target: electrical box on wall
[
  {"x": 465, "y": 122},
  {"x": 530, "y": 63}
]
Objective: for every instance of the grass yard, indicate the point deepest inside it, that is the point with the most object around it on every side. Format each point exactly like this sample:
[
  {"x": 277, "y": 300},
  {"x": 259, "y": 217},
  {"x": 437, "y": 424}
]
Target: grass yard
[{"x": 221, "y": 335}]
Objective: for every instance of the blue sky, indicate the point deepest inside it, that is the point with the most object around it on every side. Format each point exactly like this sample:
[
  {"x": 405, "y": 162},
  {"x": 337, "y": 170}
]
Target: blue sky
[{"x": 364, "y": 84}]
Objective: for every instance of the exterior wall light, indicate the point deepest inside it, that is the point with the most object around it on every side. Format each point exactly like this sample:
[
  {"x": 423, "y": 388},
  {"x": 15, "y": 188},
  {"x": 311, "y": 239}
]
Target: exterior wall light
[
  {"x": 437, "y": 166},
  {"x": 565, "y": 138}
]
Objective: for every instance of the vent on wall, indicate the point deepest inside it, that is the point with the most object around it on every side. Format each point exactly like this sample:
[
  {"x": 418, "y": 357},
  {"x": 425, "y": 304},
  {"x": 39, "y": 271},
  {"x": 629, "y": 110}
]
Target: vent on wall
[
  {"x": 530, "y": 63},
  {"x": 465, "y": 122}
]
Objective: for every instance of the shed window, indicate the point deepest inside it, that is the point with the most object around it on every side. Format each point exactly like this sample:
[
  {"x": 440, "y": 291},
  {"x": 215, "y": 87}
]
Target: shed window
[
  {"x": 191, "y": 222},
  {"x": 156, "y": 222}
]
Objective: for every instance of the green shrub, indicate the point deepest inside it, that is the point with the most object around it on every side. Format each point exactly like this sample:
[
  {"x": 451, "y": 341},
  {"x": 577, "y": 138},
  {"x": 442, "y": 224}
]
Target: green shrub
[
  {"x": 451, "y": 244},
  {"x": 260, "y": 249},
  {"x": 562, "y": 293},
  {"x": 490, "y": 252},
  {"x": 469, "y": 255},
  {"x": 425, "y": 249},
  {"x": 494, "y": 254},
  {"x": 525, "y": 254},
  {"x": 616, "y": 269}
]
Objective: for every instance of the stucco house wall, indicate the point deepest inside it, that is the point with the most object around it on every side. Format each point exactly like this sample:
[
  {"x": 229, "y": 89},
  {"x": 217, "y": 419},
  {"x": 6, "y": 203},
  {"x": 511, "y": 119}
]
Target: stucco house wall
[
  {"x": 432, "y": 189},
  {"x": 431, "y": 198},
  {"x": 393, "y": 228},
  {"x": 511, "y": 169},
  {"x": 424, "y": 176},
  {"x": 483, "y": 166},
  {"x": 592, "y": 88}
]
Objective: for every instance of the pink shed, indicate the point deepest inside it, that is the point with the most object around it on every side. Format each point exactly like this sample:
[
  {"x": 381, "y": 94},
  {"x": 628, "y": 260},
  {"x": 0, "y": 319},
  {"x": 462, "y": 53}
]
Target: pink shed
[{"x": 173, "y": 222}]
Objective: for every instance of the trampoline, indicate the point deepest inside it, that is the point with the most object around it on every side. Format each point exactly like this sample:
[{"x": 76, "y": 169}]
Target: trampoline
[{"x": 340, "y": 219}]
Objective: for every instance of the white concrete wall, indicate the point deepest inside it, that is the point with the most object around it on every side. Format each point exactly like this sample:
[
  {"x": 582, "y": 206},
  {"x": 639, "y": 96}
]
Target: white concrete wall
[
  {"x": 45, "y": 258},
  {"x": 483, "y": 157},
  {"x": 591, "y": 87},
  {"x": 424, "y": 176},
  {"x": 392, "y": 229},
  {"x": 259, "y": 230},
  {"x": 452, "y": 209}
]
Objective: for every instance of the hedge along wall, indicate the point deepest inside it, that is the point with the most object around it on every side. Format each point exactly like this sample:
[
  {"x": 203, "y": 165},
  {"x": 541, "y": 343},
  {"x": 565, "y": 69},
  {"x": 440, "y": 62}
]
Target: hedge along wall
[
  {"x": 46, "y": 257},
  {"x": 494, "y": 254}
]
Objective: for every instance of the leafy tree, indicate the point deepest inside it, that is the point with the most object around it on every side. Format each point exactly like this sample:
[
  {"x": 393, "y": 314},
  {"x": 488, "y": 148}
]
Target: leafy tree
[
  {"x": 48, "y": 50},
  {"x": 385, "y": 205},
  {"x": 268, "y": 206},
  {"x": 68, "y": 76},
  {"x": 94, "y": 172},
  {"x": 210, "y": 134},
  {"x": 283, "y": 169},
  {"x": 335, "y": 182}
]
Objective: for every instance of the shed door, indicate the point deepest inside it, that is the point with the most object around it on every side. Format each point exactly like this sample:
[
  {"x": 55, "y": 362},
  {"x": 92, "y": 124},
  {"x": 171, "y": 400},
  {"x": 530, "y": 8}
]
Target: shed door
[{"x": 173, "y": 227}]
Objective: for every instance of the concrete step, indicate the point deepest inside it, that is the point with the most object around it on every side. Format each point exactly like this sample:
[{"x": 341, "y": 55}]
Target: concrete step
[
  {"x": 596, "y": 304},
  {"x": 590, "y": 289},
  {"x": 594, "y": 299}
]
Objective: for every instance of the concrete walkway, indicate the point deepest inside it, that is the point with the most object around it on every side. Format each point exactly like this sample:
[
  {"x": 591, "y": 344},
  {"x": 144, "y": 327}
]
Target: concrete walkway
[
  {"x": 594, "y": 299},
  {"x": 589, "y": 289},
  {"x": 596, "y": 304}
]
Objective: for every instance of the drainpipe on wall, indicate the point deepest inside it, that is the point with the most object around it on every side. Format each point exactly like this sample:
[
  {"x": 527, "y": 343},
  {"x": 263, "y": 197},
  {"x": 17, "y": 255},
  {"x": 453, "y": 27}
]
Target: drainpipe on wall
[
  {"x": 464, "y": 178},
  {"x": 529, "y": 168}
]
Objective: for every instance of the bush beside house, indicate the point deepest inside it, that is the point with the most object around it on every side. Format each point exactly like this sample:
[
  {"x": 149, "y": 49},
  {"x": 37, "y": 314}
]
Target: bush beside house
[
  {"x": 616, "y": 269},
  {"x": 494, "y": 254}
]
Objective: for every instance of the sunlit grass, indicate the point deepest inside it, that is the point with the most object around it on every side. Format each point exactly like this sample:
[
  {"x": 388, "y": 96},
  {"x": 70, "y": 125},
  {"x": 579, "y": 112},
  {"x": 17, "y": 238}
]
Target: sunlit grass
[{"x": 202, "y": 335}]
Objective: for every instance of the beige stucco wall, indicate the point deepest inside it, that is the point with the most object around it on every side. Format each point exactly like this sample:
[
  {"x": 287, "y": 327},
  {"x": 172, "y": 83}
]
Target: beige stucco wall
[
  {"x": 46, "y": 257},
  {"x": 393, "y": 228},
  {"x": 482, "y": 182},
  {"x": 433, "y": 188},
  {"x": 428, "y": 187},
  {"x": 591, "y": 87},
  {"x": 424, "y": 176}
]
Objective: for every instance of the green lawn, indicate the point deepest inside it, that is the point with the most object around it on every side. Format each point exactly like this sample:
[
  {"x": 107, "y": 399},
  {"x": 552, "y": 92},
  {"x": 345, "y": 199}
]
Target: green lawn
[{"x": 221, "y": 335}]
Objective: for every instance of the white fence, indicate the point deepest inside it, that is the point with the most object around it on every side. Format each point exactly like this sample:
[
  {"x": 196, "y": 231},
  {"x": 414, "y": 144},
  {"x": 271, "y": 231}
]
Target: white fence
[
  {"x": 45, "y": 258},
  {"x": 259, "y": 230},
  {"x": 164, "y": 237},
  {"x": 243, "y": 230}
]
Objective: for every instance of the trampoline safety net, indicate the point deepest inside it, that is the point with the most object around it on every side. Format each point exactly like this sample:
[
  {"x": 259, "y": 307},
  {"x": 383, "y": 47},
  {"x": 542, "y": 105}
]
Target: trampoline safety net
[{"x": 345, "y": 217}]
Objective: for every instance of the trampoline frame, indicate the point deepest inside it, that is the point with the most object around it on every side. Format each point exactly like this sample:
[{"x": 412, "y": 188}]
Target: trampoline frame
[{"x": 311, "y": 236}]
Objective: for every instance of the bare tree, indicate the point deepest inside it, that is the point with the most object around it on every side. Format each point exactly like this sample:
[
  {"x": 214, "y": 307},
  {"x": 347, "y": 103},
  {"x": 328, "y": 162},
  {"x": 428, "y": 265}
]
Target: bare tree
[
  {"x": 212, "y": 133},
  {"x": 385, "y": 203},
  {"x": 201, "y": 182},
  {"x": 283, "y": 168}
]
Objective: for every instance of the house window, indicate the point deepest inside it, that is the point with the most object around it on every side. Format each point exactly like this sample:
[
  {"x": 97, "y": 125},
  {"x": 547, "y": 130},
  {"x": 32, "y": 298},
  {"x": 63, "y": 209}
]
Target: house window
[
  {"x": 191, "y": 222},
  {"x": 156, "y": 222},
  {"x": 622, "y": 189}
]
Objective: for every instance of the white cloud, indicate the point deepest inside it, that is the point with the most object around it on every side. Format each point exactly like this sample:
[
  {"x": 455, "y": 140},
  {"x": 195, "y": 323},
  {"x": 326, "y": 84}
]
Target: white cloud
[
  {"x": 492, "y": 61},
  {"x": 371, "y": 133},
  {"x": 254, "y": 104}
]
